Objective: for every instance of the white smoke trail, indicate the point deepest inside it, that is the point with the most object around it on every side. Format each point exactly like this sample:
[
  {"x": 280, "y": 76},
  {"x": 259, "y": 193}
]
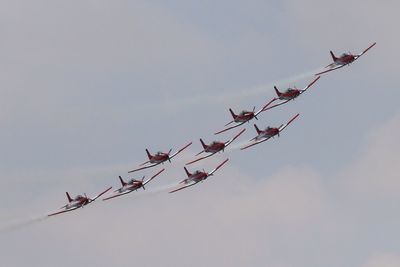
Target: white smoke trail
[
  {"x": 176, "y": 104},
  {"x": 237, "y": 145},
  {"x": 284, "y": 82},
  {"x": 148, "y": 192},
  {"x": 162, "y": 189},
  {"x": 19, "y": 224}
]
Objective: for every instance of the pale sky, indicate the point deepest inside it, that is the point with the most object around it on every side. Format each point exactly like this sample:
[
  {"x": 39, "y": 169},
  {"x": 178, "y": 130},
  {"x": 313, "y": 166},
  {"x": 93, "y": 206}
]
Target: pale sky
[{"x": 86, "y": 86}]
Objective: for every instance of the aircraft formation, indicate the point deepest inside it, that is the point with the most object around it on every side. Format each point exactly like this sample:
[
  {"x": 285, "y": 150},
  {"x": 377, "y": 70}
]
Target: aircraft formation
[{"x": 216, "y": 146}]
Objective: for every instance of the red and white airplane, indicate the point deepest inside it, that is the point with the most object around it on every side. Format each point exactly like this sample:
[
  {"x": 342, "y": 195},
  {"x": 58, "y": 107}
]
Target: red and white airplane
[
  {"x": 264, "y": 135},
  {"x": 131, "y": 185},
  {"x": 290, "y": 94},
  {"x": 343, "y": 60},
  {"x": 244, "y": 116},
  {"x": 214, "y": 147},
  {"x": 197, "y": 176},
  {"x": 158, "y": 158},
  {"x": 78, "y": 202}
]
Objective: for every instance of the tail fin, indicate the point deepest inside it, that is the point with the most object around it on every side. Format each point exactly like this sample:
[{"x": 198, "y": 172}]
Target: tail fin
[
  {"x": 148, "y": 153},
  {"x": 202, "y": 143},
  {"x": 122, "y": 181},
  {"x": 187, "y": 172},
  {"x": 69, "y": 197},
  {"x": 277, "y": 91},
  {"x": 232, "y": 113},
  {"x": 258, "y": 130},
  {"x": 333, "y": 56}
]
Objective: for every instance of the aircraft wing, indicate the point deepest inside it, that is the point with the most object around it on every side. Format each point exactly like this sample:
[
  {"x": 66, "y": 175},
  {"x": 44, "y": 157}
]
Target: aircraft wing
[
  {"x": 179, "y": 151},
  {"x": 365, "y": 51},
  {"x": 143, "y": 168},
  {"x": 277, "y": 105},
  {"x": 229, "y": 128},
  {"x": 99, "y": 195},
  {"x": 311, "y": 83},
  {"x": 200, "y": 152},
  {"x": 183, "y": 187},
  {"x": 286, "y": 124},
  {"x": 264, "y": 108},
  {"x": 227, "y": 143},
  {"x": 154, "y": 176},
  {"x": 334, "y": 67},
  {"x": 63, "y": 211},
  {"x": 301, "y": 91},
  {"x": 255, "y": 143},
  {"x": 263, "y": 140},
  {"x": 196, "y": 160},
  {"x": 229, "y": 123},
  {"x": 117, "y": 195},
  {"x": 219, "y": 166}
]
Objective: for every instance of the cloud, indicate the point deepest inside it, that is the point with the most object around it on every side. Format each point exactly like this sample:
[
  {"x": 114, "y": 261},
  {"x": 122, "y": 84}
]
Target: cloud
[
  {"x": 61, "y": 64},
  {"x": 346, "y": 25},
  {"x": 375, "y": 173},
  {"x": 383, "y": 260},
  {"x": 295, "y": 216}
]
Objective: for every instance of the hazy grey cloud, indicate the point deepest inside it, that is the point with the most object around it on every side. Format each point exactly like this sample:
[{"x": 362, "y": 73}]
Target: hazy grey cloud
[
  {"x": 88, "y": 85},
  {"x": 383, "y": 260},
  {"x": 232, "y": 219}
]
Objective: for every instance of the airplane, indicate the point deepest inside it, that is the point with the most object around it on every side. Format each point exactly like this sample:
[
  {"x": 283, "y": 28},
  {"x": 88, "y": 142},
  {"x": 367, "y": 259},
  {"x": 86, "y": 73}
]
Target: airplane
[
  {"x": 196, "y": 177},
  {"x": 244, "y": 116},
  {"x": 343, "y": 60},
  {"x": 214, "y": 147},
  {"x": 78, "y": 202},
  {"x": 158, "y": 158},
  {"x": 290, "y": 94},
  {"x": 132, "y": 185},
  {"x": 264, "y": 135}
]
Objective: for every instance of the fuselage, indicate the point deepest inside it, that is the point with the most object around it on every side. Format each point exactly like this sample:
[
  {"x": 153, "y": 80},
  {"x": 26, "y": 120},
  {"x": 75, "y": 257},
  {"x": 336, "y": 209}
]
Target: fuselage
[
  {"x": 215, "y": 147},
  {"x": 244, "y": 116},
  {"x": 268, "y": 133},
  {"x": 159, "y": 157},
  {"x": 289, "y": 94},
  {"x": 197, "y": 176},
  {"x": 132, "y": 185},
  {"x": 345, "y": 59},
  {"x": 77, "y": 202}
]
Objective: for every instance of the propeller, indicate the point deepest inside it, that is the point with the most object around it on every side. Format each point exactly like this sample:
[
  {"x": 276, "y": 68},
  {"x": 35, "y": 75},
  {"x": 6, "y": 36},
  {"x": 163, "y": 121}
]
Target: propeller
[
  {"x": 143, "y": 182},
  {"x": 279, "y": 131},
  {"x": 254, "y": 112},
  {"x": 169, "y": 152},
  {"x": 88, "y": 199}
]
